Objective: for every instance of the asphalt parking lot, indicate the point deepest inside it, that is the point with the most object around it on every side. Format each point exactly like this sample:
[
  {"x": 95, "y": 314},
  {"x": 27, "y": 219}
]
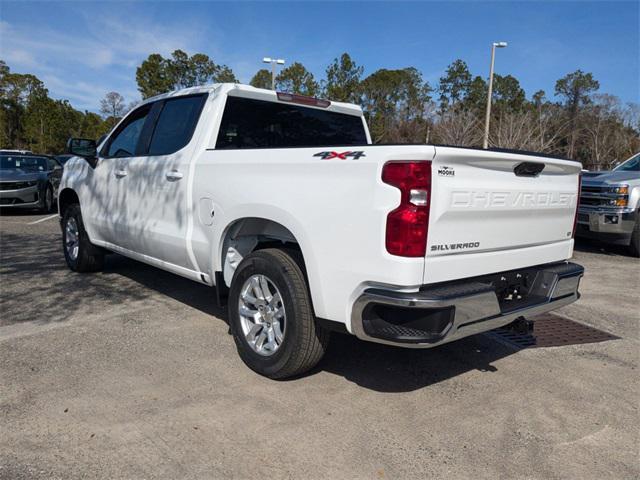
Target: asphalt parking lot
[{"x": 130, "y": 373}]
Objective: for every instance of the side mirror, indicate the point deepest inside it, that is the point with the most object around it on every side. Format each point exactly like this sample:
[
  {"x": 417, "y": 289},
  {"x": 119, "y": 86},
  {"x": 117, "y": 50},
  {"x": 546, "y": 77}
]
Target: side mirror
[{"x": 85, "y": 148}]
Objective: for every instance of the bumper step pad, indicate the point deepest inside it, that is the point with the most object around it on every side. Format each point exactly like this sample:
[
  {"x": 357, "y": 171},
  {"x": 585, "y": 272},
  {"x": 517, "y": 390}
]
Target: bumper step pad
[{"x": 551, "y": 331}]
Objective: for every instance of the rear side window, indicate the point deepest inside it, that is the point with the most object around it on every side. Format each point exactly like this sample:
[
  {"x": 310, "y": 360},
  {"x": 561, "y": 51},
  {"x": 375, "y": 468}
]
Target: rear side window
[
  {"x": 175, "y": 124},
  {"x": 248, "y": 123}
]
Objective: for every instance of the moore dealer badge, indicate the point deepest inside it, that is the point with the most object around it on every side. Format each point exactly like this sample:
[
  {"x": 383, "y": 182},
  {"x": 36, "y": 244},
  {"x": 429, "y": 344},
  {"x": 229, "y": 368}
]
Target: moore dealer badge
[{"x": 446, "y": 171}]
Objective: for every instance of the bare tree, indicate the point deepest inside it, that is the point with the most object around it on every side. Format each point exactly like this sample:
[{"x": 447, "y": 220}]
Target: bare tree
[
  {"x": 608, "y": 135},
  {"x": 599, "y": 130},
  {"x": 551, "y": 128},
  {"x": 631, "y": 116},
  {"x": 407, "y": 131},
  {"x": 460, "y": 127},
  {"x": 539, "y": 131},
  {"x": 112, "y": 105},
  {"x": 514, "y": 130},
  {"x": 576, "y": 89},
  {"x": 132, "y": 104}
]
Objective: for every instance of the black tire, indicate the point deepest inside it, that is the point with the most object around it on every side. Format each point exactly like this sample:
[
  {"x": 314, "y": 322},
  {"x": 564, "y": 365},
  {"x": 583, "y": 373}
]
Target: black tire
[
  {"x": 89, "y": 258},
  {"x": 304, "y": 341},
  {"x": 47, "y": 200},
  {"x": 634, "y": 246}
]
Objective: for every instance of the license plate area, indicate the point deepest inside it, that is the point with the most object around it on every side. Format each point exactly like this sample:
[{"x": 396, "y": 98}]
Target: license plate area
[{"x": 517, "y": 289}]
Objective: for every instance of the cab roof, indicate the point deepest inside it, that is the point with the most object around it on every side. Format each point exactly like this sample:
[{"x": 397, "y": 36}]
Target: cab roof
[{"x": 247, "y": 91}]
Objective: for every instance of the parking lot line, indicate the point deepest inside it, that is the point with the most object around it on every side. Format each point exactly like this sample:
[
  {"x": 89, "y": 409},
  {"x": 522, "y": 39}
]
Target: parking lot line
[{"x": 43, "y": 219}]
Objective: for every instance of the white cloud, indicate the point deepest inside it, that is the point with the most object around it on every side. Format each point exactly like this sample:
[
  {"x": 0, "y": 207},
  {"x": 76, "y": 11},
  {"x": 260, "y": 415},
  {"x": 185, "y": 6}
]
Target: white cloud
[
  {"x": 110, "y": 42},
  {"x": 20, "y": 56},
  {"x": 82, "y": 94},
  {"x": 48, "y": 47},
  {"x": 98, "y": 56},
  {"x": 140, "y": 39}
]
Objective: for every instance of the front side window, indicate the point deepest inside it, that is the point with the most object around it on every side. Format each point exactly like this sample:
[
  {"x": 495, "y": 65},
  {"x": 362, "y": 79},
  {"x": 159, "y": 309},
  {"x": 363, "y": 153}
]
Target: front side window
[
  {"x": 248, "y": 123},
  {"x": 125, "y": 140},
  {"x": 175, "y": 124}
]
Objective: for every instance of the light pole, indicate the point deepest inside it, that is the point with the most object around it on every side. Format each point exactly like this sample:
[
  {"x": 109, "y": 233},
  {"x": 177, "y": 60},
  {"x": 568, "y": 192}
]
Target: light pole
[
  {"x": 495, "y": 45},
  {"x": 273, "y": 62}
]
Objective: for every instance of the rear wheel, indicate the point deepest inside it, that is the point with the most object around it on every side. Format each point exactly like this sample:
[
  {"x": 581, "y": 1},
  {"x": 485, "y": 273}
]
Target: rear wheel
[
  {"x": 81, "y": 255},
  {"x": 271, "y": 317}
]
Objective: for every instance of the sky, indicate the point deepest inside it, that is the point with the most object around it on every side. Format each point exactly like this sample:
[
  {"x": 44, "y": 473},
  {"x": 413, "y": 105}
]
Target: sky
[{"x": 82, "y": 50}]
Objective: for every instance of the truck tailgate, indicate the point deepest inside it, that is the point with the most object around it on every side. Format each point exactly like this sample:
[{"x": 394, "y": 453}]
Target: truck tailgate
[{"x": 491, "y": 211}]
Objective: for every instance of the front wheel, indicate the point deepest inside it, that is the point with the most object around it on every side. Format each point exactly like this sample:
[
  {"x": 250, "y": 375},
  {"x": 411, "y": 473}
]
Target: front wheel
[
  {"x": 271, "y": 317},
  {"x": 47, "y": 200},
  {"x": 81, "y": 255},
  {"x": 634, "y": 246}
]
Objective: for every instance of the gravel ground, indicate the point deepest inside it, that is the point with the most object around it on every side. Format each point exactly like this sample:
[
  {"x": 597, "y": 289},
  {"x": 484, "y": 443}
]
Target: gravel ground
[{"x": 130, "y": 373}]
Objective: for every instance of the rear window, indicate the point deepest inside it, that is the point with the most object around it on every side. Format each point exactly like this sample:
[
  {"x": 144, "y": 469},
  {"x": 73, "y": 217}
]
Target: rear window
[{"x": 248, "y": 123}]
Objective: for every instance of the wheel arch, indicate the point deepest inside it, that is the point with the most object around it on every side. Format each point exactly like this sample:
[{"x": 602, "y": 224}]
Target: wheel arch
[
  {"x": 248, "y": 234},
  {"x": 66, "y": 197}
]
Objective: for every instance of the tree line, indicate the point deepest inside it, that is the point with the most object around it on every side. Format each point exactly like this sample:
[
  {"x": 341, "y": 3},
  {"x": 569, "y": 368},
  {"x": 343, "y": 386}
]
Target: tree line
[{"x": 576, "y": 120}]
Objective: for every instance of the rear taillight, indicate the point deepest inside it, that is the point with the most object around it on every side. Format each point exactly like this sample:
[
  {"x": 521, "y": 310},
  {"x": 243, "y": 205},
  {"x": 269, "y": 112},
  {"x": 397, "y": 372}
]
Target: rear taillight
[
  {"x": 408, "y": 225},
  {"x": 575, "y": 217}
]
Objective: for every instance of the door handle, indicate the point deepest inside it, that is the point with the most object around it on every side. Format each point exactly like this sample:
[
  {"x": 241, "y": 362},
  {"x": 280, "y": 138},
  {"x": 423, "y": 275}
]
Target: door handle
[
  {"x": 120, "y": 173},
  {"x": 173, "y": 175}
]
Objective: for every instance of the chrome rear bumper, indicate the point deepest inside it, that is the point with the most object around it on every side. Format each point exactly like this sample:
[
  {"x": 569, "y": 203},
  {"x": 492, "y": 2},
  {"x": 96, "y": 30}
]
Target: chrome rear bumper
[{"x": 446, "y": 312}]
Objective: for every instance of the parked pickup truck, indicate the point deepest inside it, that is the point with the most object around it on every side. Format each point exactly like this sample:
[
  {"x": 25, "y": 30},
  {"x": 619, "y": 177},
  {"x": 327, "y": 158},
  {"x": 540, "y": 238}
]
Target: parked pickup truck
[
  {"x": 284, "y": 205},
  {"x": 609, "y": 208}
]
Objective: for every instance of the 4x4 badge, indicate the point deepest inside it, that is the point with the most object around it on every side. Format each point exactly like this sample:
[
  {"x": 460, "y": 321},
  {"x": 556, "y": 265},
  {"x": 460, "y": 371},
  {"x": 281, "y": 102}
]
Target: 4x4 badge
[{"x": 340, "y": 155}]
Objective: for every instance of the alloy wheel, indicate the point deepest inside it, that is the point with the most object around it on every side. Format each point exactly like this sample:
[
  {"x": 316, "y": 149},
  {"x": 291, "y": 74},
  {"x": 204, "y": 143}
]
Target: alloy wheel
[
  {"x": 262, "y": 315},
  {"x": 72, "y": 237}
]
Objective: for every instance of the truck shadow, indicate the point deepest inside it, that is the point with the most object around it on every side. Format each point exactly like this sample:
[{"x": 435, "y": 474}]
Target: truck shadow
[
  {"x": 39, "y": 286},
  {"x": 392, "y": 369},
  {"x": 595, "y": 246},
  {"x": 193, "y": 294},
  {"x": 376, "y": 367},
  {"x": 36, "y": 285},
  {"x": 17, "y": 212}
]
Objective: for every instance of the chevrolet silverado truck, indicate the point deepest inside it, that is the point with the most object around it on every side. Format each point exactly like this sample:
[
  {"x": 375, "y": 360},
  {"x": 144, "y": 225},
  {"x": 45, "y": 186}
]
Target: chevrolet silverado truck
[
  {"x": 304, "y": 227},
  {"x": 610, "y": 204}
]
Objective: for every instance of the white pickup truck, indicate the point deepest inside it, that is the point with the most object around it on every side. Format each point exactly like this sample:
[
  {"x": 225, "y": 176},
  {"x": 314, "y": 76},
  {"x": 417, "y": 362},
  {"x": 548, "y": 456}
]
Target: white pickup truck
[{"x": 283, "y": 204}]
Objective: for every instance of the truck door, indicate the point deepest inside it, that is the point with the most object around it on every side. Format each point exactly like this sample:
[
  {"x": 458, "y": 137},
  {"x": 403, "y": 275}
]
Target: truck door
[
  {"x": 105, "y": 207},
  {"x": 157, "y": 182}
]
